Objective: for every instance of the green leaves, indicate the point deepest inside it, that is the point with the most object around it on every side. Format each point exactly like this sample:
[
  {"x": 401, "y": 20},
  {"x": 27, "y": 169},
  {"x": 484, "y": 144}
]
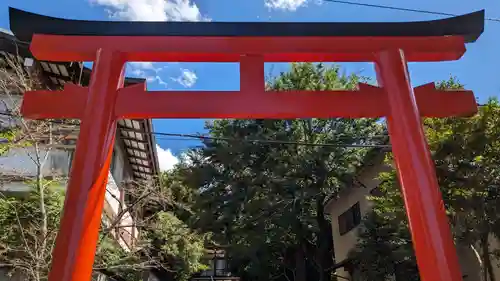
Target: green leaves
[
  {"x": 308, "y": 76},
  {"x": 9, "y": 140},
  {"x": 24, "y": 244},
  {"x": 265, "y": 201},
  {"x": 180, "y": 248},
  {"x": 167, "y": 243},
  {"x": 466, "y": 154}
]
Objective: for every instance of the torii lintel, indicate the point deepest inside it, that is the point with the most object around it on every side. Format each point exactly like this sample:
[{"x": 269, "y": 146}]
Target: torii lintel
[{"x": 134, "y": 102}]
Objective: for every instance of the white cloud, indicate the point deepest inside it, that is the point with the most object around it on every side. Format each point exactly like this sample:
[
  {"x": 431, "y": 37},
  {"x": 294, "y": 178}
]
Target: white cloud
[
  {"x": 289, "y": 5},
  {"x": 185, "y": 159},
  {"x": 139, "y": 67},
  {"x": 152, "y": 10},
  {"x": 157, "y": 79},
  {"x": 148, "y": 71},
  {"x": 139, "y": 73},
  {"x": 166, "y": 159},
  {"x": 142, "y": 64},
  {"x": 187, "y": 78}
]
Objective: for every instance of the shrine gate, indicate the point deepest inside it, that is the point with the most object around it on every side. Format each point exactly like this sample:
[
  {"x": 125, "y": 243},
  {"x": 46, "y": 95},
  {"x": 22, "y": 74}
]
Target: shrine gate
[{"x": 111, "y": 44}]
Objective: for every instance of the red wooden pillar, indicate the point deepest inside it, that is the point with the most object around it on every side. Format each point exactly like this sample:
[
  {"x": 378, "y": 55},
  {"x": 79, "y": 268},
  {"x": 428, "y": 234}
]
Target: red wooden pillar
[
  {"x": 432, "y": 240},
  {"x": 76, "y": 242}
]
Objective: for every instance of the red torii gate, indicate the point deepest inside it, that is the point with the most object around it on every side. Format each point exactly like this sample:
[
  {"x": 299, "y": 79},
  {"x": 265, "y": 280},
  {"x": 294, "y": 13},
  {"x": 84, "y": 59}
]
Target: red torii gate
[{"x": 110, "y": 44}]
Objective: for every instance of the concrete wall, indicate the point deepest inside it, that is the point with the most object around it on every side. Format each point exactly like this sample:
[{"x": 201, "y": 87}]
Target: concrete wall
[
  {"x": 470, "y": 265},
  {"x": 5, "y": 276},
  {"x": 22, "y": 162}
]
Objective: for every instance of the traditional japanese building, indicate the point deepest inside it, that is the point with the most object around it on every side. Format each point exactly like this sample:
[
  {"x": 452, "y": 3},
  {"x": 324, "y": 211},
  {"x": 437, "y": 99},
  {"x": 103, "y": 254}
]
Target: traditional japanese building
[{"x": 134, "y": 155}]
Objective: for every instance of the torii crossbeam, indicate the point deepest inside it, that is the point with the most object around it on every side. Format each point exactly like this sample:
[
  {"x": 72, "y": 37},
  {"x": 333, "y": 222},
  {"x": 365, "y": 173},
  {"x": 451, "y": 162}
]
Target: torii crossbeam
[{"x": 111, "y": 44}]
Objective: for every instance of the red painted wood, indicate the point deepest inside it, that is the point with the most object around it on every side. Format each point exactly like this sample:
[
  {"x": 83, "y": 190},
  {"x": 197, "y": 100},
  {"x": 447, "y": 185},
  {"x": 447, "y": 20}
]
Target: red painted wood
[
  {"x": 229, "y": 49},
  {"x": 134, "y": 102},
  {"x": 435, "y": 103},
  {"x": 252, "y": 78},
  {"x": 75, "y": 248},
  {"x": 266, "y": 105},
  {"x": 68, "y": 104},
  {"x": 74, "y": 252},
  {"x": 436, "y": 255}
]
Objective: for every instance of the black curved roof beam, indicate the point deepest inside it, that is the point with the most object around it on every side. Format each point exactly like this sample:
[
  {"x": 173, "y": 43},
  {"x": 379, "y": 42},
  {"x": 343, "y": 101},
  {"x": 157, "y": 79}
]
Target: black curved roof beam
[
  {"x": 25, "y": 24},
  {"x": 10, "y": 44}
]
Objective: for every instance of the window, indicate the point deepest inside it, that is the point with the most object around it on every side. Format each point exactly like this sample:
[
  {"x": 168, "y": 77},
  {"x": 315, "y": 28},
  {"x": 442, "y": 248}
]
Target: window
[
  {"x": 220, "y": 267},
  {"x": 210, "y": 271},
  {"x": 349, "y": 219},
  {"x": 376, "y": 192},
  {"x": 113, "y": 162},
  {"x": 355, "y": 276},
  {"x": 71, "y": 156}
]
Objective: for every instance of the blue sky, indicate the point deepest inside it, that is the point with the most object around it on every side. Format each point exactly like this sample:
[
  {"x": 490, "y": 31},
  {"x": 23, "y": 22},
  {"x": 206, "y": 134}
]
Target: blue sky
[{"x": 478, "y": 69}]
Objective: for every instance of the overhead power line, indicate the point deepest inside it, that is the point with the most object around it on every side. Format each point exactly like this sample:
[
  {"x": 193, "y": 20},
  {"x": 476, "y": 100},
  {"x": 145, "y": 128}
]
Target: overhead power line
[
  {"x": 268, "y": 141},
  {"x": 256, "y": 141},
  {"x": 400, "y": 9},
  {"x": 185, "y": 137}
]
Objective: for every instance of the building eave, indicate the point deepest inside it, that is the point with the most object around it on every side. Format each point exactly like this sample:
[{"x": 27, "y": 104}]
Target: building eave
[
  {"x": 140, "y": 146},
  {"x": 57, "y": 74}
]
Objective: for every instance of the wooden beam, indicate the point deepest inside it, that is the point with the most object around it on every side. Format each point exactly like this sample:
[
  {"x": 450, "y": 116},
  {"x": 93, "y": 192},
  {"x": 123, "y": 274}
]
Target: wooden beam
[
  {"x": 141, "y": 165},
  {"x": 131, "y": 139},
  {"x": 137, "y": 170},
  {"x": 134, "y": 102}
]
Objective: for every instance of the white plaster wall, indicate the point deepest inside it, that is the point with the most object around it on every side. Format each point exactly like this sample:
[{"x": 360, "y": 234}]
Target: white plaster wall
[
  {"x": 118, "y": 171},
  {"x": 127, "y": 233},
  {"x": 469, "y": 264},
  {"x": 494, "y": 245},
  {"x": 344, "y": 243}
]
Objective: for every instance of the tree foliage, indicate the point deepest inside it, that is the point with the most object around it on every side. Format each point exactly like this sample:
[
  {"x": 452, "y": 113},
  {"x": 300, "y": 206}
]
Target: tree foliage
[
  {"x": 264, "y": 201},
  {"x": 184, "y": 247},
  {"x": 30, "y": 220},
  {"x": 465, "y": 152},
  {"x": 166, "y": 243},
  {"x": 25, "y": 247}
]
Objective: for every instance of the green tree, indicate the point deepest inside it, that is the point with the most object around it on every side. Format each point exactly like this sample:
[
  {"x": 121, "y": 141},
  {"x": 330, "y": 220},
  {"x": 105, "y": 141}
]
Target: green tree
[
  {"x": 27, "y": 235},
  {"x": 166, "y": 243},
  {"x": 182, "y": 247},
  {"x": 264, "y": 201},
  {"x": 30, "y": 220},
  {"x": 465, "y": 153}
]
